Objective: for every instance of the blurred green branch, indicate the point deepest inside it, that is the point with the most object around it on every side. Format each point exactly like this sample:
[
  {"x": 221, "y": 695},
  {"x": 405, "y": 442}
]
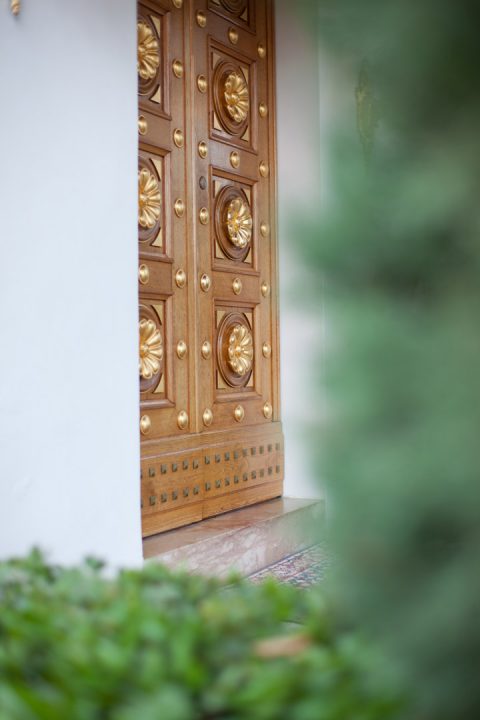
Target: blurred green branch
[{"x": 399, "y": 246}]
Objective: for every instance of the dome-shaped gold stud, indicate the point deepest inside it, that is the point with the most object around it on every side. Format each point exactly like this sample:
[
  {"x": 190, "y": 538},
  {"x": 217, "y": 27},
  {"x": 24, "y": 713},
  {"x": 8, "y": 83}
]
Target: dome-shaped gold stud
[
  {"x": 267, "y": 350},
  {"x": 239, "y": 413},
  {"x": 182, "y": 420},
  {"x": 233, "y": 35},
  {"x": 201, "y": 19},
  {"x": 142, "y": 125},
  {"x": 235, "y": 160},
  {"x": 207, "y": 417},
  {"x": 261, "y": 49},
  {"x": 145, "y": 424},
  {"x": 143, "y": 274},
  {"x": 263, "y": 110},
  {"x": 206, "y": 350},
  {"x": 177, "y": 67},
  {"x": 178, "y": 138},
  {"x": 203, "y": 149},
  {"x": 202, "y": 83},
  {"x": 205, "y": 282},
  {"x": 181, "y": 349},
  {"x": 268, "y": 411},
  {"x": 237, "y": 286},
  {"x": 265, "y": 288},
  {"x": 179, "y": 207},
  {"x": 264, "y": 169},
  {"x": 181, "y": 278}
]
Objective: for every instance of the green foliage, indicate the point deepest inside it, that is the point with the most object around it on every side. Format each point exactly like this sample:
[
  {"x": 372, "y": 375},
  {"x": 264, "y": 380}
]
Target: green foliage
[
  {"x": 400, "y": 250},
  {"x": 150, "y": 644}
]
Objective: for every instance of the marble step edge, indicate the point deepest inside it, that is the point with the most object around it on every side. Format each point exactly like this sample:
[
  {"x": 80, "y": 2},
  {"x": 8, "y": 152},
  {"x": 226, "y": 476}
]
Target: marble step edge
[{"x": 287, "y": 526}]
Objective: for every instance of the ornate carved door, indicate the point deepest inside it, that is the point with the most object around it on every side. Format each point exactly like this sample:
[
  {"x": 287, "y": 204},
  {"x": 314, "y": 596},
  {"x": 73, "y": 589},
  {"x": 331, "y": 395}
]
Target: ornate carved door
[{"x": 209, "y": 384}]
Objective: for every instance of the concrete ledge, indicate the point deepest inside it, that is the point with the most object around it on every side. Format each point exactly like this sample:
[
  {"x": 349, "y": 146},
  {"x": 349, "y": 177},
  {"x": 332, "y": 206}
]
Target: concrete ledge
[{"x": 245, "y": 540}]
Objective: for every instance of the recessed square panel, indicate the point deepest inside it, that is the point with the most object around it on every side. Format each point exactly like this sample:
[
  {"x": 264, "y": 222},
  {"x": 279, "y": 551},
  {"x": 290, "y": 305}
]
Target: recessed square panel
[
  {"x": 232, "y": 97},
  {"x": 152, "y": 216},
  {"x": 152, "y": 61},
  {"x": 233, "y": 235},
  {"x": 152, "y": 350},
  {"x": 239, "y": 12},
  {"x": 235, "y": 351}
]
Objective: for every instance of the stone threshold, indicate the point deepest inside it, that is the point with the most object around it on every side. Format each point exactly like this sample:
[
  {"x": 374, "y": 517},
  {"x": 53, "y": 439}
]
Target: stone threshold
[{"x": 245, "y": 540}]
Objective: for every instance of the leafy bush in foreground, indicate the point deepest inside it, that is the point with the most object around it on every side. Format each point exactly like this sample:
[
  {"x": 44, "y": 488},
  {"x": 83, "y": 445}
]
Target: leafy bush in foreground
[{"x": 149, "y": 644}]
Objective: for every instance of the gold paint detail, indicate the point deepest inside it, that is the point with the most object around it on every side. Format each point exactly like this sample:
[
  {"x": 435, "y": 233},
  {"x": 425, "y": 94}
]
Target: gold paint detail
[
  {"x": 262, "y": 50},
  {"x": 264, "y": 229},
  {"x": 236, "y": 97},
  {"x": 142, "y": 125},
  {"x": 202, "y": 83},
  {"x": 237, "y": 286},
  {"x": 239, "y": 222},
  {"x": 148, "y": 51},
  {"x": 143, "y": 274},
  {"x": 203, "y": 215},
  {"x": 203, "y": 149},
  {"x": 201, "y": 19},
  {"x": 149, "y": 199},
  {"x": 179, "y": 207},
  {"x": 150, "y": 350},
  {"x": 177, "y": 3},
  {"x": 205, "y": 282},
  {"x": 265, "y": 288},
  {"x": 207, "y": 417},
  {"x": 263, "y": 110},
  {"x": 206, "y": 350},
  {"x": 267, "y": 350},
  {"x": 181, "y": 349},
  {"x": 145, "y": 424},
  {"x": 239, "y": 413},
  {"x": 178, "y": 138},
  {"x": 235, "y": 160},
  {"x": 182, "y": 420},
  {"x": 240, "y": 350},
  {"x": 264, "y": 169},
  {"x": 177, "y": 67},
  {"x": 181, "y": 278},
  {"x": 233, "y": 35},
  {"x": 268, "y": 411}
]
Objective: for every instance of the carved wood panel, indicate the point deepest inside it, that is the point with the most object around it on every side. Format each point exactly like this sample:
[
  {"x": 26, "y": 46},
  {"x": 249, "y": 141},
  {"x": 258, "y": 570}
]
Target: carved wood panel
[{"x": 208, "y": 337}]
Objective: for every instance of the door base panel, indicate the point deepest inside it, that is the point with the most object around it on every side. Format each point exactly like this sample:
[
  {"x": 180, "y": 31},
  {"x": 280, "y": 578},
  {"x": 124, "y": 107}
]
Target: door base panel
[{"x": 223, "y": 471}]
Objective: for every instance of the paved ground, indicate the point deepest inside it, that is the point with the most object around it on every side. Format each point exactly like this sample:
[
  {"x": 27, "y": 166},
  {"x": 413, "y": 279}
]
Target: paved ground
[{"x": 302, "y": 569}]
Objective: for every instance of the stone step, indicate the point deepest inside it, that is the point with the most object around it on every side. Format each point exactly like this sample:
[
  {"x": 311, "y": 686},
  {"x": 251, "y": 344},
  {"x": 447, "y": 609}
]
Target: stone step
[{"x": 245, "y": 540}]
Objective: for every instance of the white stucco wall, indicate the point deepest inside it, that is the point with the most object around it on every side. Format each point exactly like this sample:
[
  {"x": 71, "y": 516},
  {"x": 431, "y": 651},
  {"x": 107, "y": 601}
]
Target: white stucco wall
[
  {"x": 68, "y": 288},
  {"x": 301, "y": 327}
]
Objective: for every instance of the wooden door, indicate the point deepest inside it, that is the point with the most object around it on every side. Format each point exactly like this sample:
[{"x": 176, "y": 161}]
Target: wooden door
[{"x": 209, "y": 378}]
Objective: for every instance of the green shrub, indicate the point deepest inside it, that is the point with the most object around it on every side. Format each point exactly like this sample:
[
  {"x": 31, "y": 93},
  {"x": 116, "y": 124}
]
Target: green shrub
[
  {"x": 148, "y": 645},
  {"x": 400, "y": 248}
]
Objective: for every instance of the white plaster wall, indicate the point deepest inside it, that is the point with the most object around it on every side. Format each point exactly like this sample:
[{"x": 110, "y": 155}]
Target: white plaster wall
[
  {"x": 315, "y": 94},
  {"x": 68, "y": 290},
  {"x": 301, "y": 326}
]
